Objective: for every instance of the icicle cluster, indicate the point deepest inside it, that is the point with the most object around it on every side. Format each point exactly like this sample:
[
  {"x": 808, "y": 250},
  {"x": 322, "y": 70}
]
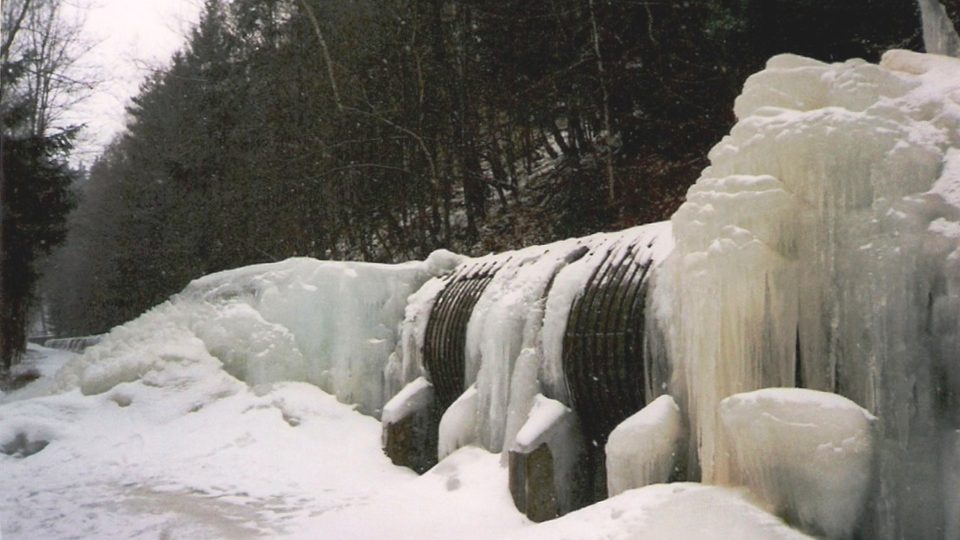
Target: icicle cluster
[{"x": 820, "y": 250}]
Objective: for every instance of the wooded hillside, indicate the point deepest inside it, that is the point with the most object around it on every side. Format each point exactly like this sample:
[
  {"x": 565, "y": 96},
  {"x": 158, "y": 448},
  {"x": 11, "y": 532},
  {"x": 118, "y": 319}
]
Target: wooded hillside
[{"x": 380, "y": 130}]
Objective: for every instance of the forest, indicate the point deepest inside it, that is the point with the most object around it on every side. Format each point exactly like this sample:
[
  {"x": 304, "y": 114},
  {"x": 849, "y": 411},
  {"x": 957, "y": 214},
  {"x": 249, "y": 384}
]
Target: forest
[{"x": 380, "y": 130}]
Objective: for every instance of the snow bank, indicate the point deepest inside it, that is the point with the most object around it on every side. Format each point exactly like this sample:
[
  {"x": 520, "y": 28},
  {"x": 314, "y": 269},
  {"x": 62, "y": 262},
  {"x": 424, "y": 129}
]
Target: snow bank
[
  {"x": 666, "y": 511},
  {"x": 644, "y": 449},
  {"x": 819, "y": 250},
  {"x": 808, "y": 454},
  {"x": 333, "y": 324}
]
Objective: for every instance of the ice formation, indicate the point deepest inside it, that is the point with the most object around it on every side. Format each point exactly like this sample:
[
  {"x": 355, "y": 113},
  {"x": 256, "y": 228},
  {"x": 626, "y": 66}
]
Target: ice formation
[
  {"x": 939, "y": 34},
  {"x": 405, "y": 364},
  {"x": 514, "y": 336},
  {"x": 458, "y": 426},
  {"x": 644, "y": 449},
  {"x": 507, "y": 320},
  {"x": 333, "y": 324},
  {"x": 807, "y": 454},
  {"x": 73, "y": 344},
  {"x": 820, "y": 250},
  {"x": 552, "y": 424},
  {"x": 416, "y": 396},
  {"x": 570, "y": 283}
]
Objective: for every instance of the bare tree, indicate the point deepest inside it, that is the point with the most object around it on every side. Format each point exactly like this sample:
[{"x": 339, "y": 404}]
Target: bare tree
[{"x": 43, "y": 43}]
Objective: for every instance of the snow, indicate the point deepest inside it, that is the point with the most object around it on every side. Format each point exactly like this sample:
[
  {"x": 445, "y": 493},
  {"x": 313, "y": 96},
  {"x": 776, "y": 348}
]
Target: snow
[
  {"x": 808, "y": 454},
  {"x": 414, "y": 397},
  {"x": 666, "y": 512},
  {"x": 188, "y": 452},
  {"x": 819, "y": 249},
  {"x": 644, "y": 448}
]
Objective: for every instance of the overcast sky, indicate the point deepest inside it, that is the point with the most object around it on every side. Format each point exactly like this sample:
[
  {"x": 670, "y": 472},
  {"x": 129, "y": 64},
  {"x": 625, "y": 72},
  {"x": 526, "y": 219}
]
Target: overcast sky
[{"x": 130, "y": 38}]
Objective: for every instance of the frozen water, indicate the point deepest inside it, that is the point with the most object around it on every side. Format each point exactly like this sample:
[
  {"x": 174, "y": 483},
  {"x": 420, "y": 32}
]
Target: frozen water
[
  {"x": 505, "y": 321},
  {"x": 644, "y": 449},
  {"x": 820, "y": 250},
  {"x": 655, "y": 242},
  {"x": 939, "y": 34},
  {"x": 808, "y": 454},
  {"x": 333, "y": 324},
  {"x": 458, "y": 426},
  {"x": 515, "y": 332}
]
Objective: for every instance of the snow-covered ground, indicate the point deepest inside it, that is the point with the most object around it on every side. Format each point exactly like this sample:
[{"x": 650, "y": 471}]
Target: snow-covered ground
[{"x": 188, "y": 451}]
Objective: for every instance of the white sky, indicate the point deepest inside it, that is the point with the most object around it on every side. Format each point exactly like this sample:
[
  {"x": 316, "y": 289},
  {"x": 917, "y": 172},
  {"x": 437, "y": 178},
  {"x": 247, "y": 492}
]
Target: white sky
[{"x": 130, "y": 38}]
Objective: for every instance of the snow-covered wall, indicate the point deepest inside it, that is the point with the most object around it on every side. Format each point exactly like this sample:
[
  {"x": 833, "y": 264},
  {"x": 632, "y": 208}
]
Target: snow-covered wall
[{"x": 820, "y": 249}]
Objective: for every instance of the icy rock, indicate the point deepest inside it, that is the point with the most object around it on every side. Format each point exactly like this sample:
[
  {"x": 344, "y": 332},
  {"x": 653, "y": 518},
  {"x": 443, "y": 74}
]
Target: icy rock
[
  {"x": 416, "y": 396},
  {"x": 808, "y": 454},
  {"x": 543, "y": 461},
  {"x": 645, "y": 448},
  {"x": 458, "y": 426},
  {"x": 410, "y": 427}
]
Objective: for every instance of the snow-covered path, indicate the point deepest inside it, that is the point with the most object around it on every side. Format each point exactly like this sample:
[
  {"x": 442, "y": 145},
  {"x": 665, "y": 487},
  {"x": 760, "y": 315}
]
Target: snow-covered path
[
  {"x": 210, "y": 457},
  {"x": 188, "y": 451}
]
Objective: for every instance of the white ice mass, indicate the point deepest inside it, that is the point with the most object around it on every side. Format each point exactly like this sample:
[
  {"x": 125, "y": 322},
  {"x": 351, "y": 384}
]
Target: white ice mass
[
  {"x": 802, "y": 308},
  {"x": 818, "y": 251},
  {"x": 807, "y": 454},
  {"x": 644, "y": 449}
]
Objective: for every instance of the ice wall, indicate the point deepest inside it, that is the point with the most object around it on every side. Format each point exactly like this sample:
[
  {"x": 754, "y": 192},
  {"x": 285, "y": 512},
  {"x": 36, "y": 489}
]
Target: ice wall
[
  {"x": 333, "y": 324},
  {"x": 819, "y": 249}
]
